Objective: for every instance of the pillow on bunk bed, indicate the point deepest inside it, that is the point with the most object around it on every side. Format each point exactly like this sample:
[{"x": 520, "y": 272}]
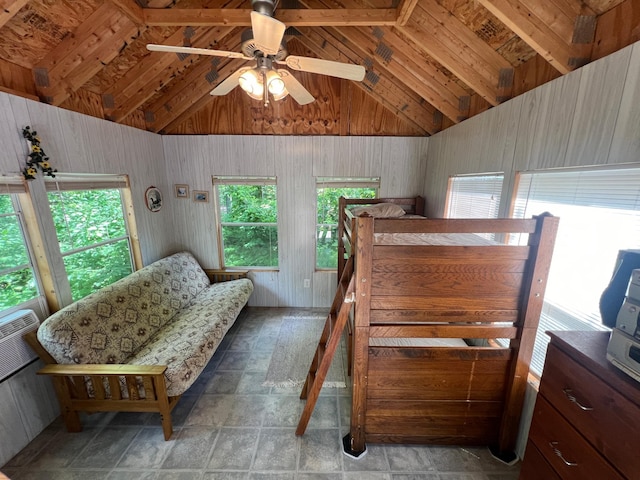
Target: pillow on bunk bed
[{"x": 380, "y": 210}]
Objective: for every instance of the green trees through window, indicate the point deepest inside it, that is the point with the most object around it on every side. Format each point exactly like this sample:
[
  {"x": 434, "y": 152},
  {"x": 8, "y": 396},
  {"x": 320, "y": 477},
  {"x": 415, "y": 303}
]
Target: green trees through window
[
  {"x": 93, "y": 238},
  {"x": 17, "y": 281},
  {"x": 327, "y": 220},
  {"x": 248, "y": 216}
]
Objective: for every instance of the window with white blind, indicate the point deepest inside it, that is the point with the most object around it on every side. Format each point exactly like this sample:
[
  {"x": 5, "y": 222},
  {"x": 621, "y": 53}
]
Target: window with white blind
[
  {"x": 329, "y": 190},
  {"x": 474, "y": 196},
  {"x": 89, "y": 214},
  {"x": 599, "y": 210}
]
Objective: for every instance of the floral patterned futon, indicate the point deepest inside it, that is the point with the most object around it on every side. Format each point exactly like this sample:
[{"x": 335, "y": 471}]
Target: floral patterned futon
[{"x": 167, "y": 313}]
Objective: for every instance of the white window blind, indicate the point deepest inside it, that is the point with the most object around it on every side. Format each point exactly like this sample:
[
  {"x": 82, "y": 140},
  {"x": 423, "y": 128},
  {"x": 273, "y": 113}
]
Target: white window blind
[
  {"x": 599, "y": 212},
  {"x": 348, "y": 182},
  {"x": 474, "y": 196},
  {"x": 244, "y": 180},
  {"x": 85, "y": 181},
  {"x": 12, "y": 184}
]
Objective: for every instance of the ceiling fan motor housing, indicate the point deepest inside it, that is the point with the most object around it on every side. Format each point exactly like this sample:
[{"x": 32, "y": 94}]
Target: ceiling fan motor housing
[
  {"x": 250, "y": 49},
  {"x": 265, "y": 7}
]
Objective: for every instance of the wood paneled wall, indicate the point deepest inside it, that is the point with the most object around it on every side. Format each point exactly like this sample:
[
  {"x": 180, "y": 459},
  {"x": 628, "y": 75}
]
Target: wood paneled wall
[
  {"x": 295, "y": 161},
  {"x": 83, "y": 144},
  {"x": 588, "y": 117}
]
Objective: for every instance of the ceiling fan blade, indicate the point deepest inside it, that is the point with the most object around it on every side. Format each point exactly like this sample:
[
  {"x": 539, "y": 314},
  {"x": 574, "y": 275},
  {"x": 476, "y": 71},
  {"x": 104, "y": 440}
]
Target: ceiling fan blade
[
  {"x": 229, "y": 83},
  {"x": 326, "y": 67},
  {"x": 267, "y": 33},
  {"x": 196, "y": 51},
  {"x": 295, "y": 88}
]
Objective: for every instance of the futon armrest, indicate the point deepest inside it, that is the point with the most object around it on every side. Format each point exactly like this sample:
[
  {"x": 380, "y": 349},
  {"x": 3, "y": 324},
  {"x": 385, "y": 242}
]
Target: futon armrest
[
  {"x": 102, "y": 369},
  {"x": 217, "y": 276}
]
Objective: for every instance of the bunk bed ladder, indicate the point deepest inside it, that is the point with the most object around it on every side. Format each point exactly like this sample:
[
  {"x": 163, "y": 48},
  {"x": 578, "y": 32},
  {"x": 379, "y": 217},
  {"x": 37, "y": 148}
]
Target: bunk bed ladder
[{"x": 334, "y": 326}]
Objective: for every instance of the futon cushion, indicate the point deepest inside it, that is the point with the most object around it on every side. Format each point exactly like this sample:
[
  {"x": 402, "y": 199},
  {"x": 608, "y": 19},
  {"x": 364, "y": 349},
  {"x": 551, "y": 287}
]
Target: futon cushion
[
  {"x": 113, "y": 323},
  {"x": 190, "y": 339}
]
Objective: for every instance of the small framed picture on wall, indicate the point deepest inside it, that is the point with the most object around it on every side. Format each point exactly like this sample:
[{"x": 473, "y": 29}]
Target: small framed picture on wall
[
  {"x": 153, "y": 199},
  {"x": 201, "y": 196},
  {"x": 182, "y": 191}
]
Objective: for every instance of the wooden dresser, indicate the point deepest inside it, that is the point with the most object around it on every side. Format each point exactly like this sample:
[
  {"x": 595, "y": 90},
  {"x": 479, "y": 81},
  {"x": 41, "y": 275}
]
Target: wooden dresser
[{"x": 586, "y": 422}]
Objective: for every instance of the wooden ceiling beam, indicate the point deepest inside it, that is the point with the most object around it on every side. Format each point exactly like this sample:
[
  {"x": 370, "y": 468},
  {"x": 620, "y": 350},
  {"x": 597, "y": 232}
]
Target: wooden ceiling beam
[
  {"x": 193, "y": 86},
  {"x": 232, "y": 17},
  {"x": 131, "y": 9},
  {"x": 9, "y": 9},
  {"x": 454, "y": 45},
  {"x": 405, "y": 9},
  {"x": 97, "y": 41},
  {"x": 156, "y": 71},
  {"x": 329, "y": 44},
  {"x": 560, "y": 36},
  {"x": 423, "y": 75},
  {"x": 368, "y": 46},
  {"x": 203, "y": 98},
  {"x": 387, "y": 102}
]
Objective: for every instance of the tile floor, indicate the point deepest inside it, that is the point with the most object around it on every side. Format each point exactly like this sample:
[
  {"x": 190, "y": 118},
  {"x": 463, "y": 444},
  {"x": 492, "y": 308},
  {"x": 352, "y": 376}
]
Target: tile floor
[{"x": 228, "y": 426}]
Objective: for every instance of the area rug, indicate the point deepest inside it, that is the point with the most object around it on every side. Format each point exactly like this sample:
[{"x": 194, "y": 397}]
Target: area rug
[{"x": 294, "y": 350}]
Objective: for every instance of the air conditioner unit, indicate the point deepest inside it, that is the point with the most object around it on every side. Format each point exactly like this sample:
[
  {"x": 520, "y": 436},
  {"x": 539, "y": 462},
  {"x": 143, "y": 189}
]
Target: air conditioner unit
[{"x": 14, "y": 351}]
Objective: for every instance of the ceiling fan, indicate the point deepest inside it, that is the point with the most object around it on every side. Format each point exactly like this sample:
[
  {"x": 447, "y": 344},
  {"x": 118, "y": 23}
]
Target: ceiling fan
[{"x": 264, "y": 43}]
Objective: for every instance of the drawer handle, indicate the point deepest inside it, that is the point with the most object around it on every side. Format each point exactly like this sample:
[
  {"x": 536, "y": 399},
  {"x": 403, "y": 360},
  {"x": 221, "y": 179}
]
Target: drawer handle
[
  {"x": 558, "y": 453},
  {"x": 569, "y": 394}
]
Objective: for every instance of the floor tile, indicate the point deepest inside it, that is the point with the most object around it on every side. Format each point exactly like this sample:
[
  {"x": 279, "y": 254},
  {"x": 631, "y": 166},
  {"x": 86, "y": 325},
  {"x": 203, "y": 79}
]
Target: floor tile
[
  {"x": 408, "y": 458},
  {"x": 320, "y": 451},
  {"x": 63, "y": 448},
  {"x": 192, "y": 448},
  {"x": 132, "y": 475},
  {"x": 223, "y": 382},
  {"x": 234, "y": 449},
  {"x": 147, "y": 450},
  {"x": 196, "y": 475},
  {"x": 227, "y": 426},
  {"x": 277, "y": 450}
]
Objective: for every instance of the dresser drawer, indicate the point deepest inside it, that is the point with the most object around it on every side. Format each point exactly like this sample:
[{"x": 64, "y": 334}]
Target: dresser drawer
[
  {"x": 564, "y": 448},
  {"x": 608, "y": 420},
  {"x": 535, "y": 467}
]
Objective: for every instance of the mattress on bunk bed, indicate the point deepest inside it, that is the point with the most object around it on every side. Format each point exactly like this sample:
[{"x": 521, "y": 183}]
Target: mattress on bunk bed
[
  {"x": 417, "y": 342},
  {"x": 435, "y": 239}
]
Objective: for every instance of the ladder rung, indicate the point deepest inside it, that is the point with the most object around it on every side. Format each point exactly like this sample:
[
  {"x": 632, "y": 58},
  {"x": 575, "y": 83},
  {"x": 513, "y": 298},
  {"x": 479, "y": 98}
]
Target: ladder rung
[{"x": 335, "y": 324}]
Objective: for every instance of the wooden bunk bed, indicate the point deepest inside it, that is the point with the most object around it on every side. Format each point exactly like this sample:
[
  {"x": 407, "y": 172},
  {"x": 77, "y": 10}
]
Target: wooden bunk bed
[{"x": 432, "y": 299}]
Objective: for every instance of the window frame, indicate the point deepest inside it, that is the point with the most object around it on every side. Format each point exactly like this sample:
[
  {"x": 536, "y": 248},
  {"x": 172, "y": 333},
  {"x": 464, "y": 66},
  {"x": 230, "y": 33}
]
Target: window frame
[
  {"x": 467, "y": 179},
  {"x": 86, "y": 182},
  {"x": 14, "y": 187},
  {"x": 242, "y": 180},
  {"x": 339, "y": 182}
]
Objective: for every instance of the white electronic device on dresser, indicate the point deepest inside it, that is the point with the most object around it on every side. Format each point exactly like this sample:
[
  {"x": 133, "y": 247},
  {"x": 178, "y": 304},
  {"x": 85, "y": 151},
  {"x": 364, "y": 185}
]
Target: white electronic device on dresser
[{"x": 623, "y": 350}]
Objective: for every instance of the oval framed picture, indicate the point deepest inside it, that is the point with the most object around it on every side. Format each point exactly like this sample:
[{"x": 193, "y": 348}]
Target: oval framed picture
[{"x": 153, "y": 198}]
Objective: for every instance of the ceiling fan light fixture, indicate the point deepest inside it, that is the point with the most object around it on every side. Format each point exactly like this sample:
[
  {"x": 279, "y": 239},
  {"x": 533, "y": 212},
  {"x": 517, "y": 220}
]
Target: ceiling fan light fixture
[
  {"x": 275, "y": 84},
  {"x": 251, "y": 82},
  {"x": 281, "y": 95}
]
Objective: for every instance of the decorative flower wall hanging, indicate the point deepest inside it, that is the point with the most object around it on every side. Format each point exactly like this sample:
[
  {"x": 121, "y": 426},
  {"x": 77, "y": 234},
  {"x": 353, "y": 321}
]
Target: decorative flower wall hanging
[{"x": 37, "y": 159}]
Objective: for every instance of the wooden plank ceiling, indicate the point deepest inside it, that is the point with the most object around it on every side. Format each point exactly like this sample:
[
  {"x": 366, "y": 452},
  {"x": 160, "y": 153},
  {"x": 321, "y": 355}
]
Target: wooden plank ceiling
[{"x": 430, "y": 63}]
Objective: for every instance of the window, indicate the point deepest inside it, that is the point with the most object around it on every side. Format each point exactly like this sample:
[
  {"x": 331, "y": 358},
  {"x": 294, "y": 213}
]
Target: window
[
  {"x": 248, "y": 215},
  {"x": 599, "y": 212},
  {"x": 18, "y": 283},
  {"x": 329, "y": 190},
  {"x": 474, "y": 196},
  {"x": 90, "y": 221}
]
